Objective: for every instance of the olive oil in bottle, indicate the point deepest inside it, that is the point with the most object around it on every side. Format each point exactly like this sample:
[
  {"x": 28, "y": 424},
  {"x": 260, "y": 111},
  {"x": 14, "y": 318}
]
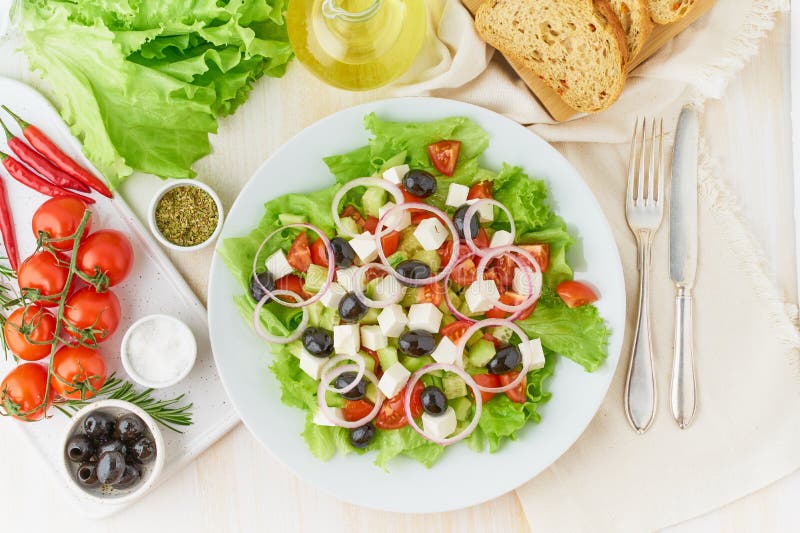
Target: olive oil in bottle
[{"x": 357, "y": 44}]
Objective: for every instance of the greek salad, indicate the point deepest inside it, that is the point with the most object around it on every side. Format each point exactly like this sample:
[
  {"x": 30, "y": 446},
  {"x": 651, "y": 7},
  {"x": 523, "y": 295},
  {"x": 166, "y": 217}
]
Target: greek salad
[{"x": 420, "y": 300}]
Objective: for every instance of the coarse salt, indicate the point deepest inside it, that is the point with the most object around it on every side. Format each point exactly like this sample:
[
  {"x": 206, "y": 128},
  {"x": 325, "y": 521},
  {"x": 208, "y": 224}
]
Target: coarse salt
[{"x": 159, "y": 350}]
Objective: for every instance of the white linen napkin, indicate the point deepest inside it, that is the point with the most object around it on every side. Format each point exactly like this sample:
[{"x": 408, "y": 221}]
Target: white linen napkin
[{"x": 746, "y": 433}]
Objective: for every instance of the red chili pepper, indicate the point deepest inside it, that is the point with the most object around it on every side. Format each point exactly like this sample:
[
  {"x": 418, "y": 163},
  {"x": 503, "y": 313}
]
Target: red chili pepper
[
  {"x": 20, "y": 173},
  {"x": 7, "y": 229},
  {"x": 42, "y": 144},
  {"x": 37, "y": 162}
]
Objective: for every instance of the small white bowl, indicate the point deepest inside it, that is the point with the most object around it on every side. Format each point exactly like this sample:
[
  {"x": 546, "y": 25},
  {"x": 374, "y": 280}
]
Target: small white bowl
[
  {"x": 151, "y": 215},
  {"x": 150, "y": 472},
  {"x": 180, "y": 326}
]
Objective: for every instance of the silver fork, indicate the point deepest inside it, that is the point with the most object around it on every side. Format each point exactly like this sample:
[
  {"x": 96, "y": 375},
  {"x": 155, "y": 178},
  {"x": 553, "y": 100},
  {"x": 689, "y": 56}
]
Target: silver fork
[{"x": 644, "y": 208}]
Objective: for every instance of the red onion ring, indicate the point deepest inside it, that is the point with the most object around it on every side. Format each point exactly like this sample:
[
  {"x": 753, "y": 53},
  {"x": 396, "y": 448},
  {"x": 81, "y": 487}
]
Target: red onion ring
[
  {"x": 331, "y": 364},
  {"x": 272, "y": 338},
  {"x": 525, "y": 350},
  {"x": 358, "y": 290},
  {"x": 476, "y": 392},
  {"x": 471, "y": 213},
  {"x": 439, "y": 214},
  {"x": 331, "y": 415},
  {"x": 388, "y": 186},
  {"x": 503, "y": 250},
  {"x": 331, "y": 266}
]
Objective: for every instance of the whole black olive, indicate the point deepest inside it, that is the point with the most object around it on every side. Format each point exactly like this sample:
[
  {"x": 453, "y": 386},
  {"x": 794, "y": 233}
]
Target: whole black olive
[
  {"x": 112, "y": 446},
  {"x": 129, "y": 428},
  {"x": 419, "y": 183},
  {"x": 360, "y": 437},
  {"x": 504, "y": 360},
  {"x": 458, "y": 222},
  {"x": 411, "y": 268},
  {"x": 98, "y": 426},
  {"x": 351, "y": 310},
  {"x": 259, "y": 283},
  {"x": 79, "y": 448},
  {"x": 346, "y": 378},
  {"x": 343, "y": 253},
  {"x": 318, "y": 341},
  {"x": 143, "y": 450},
  {"x": 87, "y": 475},
  {"x": 434, "y": 401},
  {"x": 130, "y": 477},
  {"x": 416, "y": 343},
  {"x": 110, "y": 467}
]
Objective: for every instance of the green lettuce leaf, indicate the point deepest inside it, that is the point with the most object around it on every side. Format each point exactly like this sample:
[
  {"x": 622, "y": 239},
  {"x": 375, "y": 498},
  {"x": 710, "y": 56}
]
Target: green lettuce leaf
[{"x": 142, "y": 82}]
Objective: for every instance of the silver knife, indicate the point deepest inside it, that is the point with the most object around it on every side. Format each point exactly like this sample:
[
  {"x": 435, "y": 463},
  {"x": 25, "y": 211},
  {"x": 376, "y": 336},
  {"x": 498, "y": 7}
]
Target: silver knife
[{"x": 683, "y": 262}]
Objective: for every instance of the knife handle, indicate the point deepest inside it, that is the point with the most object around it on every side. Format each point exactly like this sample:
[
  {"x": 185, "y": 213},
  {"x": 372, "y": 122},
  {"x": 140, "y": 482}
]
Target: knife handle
[
  {"x": 640, "y": 386},
  {"x": 682, "y": 387}
]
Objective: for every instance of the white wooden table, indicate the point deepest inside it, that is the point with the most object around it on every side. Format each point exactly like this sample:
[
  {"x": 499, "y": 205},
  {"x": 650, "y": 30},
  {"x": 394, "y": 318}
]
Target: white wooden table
[{"x": 238, "y": 486}]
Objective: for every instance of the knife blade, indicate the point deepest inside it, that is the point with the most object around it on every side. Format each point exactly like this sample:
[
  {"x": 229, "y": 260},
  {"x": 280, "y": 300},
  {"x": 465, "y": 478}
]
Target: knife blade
[
  {"x": 683, "y": 262},
  {"x": 683, "y": 200}
]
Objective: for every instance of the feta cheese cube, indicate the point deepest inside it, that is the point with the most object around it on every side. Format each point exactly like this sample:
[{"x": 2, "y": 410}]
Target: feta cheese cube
[
  {"x": 321, "y": 420},
  {"x": 441, "y": 426},
  {"x": 393, "y": 380},
  {"x": 481, "y": 295},
  {"x": 501, "y": 238},
  {"x": 365, "y": 247},
  {"x": 392, "y": 320},
  {"x": 425, "y": 316},
  {"x": 537, "y": 354},
  {"x": 389, "y": 289},
  {"x": 445, "y": 352},
  {"x": 312, "y": 365},
  {"x": 398, "y": 220},
  {"x": 346, "y": 277},
  {"x": 431, "y": 234},
  {"x": 526, "y": 281},
  {"x": 346, "y": 339},
  {"x": 396, "y": 174},
  {"x": 278, "y": 265},
  {"x": 333, "y": 296},
  {"x": 457, "y": 195},
  {"x": 485, "y": 210},
  {"x": 373, "y": 338}
]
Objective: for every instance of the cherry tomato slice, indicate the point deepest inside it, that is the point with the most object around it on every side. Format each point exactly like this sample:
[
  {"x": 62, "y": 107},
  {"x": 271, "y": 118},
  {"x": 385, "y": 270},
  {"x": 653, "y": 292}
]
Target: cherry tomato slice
[
  {"x": 356, "y": 409},
  {"x": 481, "y": 189},
  {"x": 319, "y": 256},
  {"x": 392, "y": 413},
  {"x": 540, "y": 252},
  {"x": 487, "y": 380},
  {"x": 576, "y": 294},
  {"x": 517, "y": 394},
  {"x": 455, "y": 330},
  {"x": 444, "y": 156},
  {"x": 300, "y": 254}
]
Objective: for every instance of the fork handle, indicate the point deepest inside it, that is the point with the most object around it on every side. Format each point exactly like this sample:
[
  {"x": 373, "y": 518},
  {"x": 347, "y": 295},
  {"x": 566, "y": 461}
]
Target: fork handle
[
  {"x": 640, "y": 386},
  {"x": 682, "y": 388}
]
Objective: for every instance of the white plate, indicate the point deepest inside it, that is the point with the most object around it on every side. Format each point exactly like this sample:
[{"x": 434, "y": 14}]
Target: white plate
[{"x": 461, "y": 477}]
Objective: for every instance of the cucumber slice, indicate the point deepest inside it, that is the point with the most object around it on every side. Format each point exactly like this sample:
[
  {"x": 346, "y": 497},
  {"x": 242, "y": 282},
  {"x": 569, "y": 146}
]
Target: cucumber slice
[
  {"x": 396, "y": 258},
  {"x": 315, "y": 278},
  {"x": 395, "y": 160},
  {"x": 374, "y": 198},
  {"x": 387, "y": 357},
  {"x": 461, "y": 406},
  {"x": 371, "y": 393},
  {"x": 408, "y": 243},
  {"x": 502, "y": 333},
  {"x": 453, "y": 386},
  {"x": 410, "y": 298},
  {"x": 287, "y": 218},
  {"x": 371, "y": 317},
  {"x": 429, "y": 257},
  {"x": 334, "y": 399},
  {"x": 481, "y": 353},
  {"x": 350, "y": 225},
  {"x": 295, "y": 348},
  {"x": 369, "y": 362},
  {"x": 413, "y": 364}
]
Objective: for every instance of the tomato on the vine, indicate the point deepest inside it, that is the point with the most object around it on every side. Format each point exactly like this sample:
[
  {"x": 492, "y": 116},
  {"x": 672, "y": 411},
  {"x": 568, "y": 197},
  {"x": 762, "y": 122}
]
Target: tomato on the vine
[
  {"x": 23, "y": 390},
  {"x": 58, "y": 218},
  {"x": 29, "y": 332},
  {"x": 107, "y": 252},
  {"x": 92, "y": 316},
  {"x": 78, "y": 372},
  {"x": 45, "y": 272},
  {"x": 393, "y": 415}
]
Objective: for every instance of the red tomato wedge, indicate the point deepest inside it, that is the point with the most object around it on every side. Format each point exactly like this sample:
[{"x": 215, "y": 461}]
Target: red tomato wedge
[
  {"x": 300, "y": 254},
  {"x": 487, "y": 380},
  {"x": 371, "y": 224},
  {"x": 390, "y": 243},
  {"x": 432, "y": 293},
  {"x": 517, "y": 394},
  {"x": 465, "y": 273},
  {"x": 510, "y": 298},
  {"x": 392, "y": 414},
  {"x": 319, "y": 256},
  {"x": 291, "y": 283},
  {"x": 482, "y": 189},
  {"x": 352, "y": 212},
  {"x": 356, "y": 410},
  {"x": 455, "y": 330},
  {"x": 540, "y": 252},
  {"x": 576, "y": 294},
  {"x": 444, "y": 156}
]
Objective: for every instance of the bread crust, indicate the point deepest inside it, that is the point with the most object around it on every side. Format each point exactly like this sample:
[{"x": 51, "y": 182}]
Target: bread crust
[
  {"x": 662, "y": 13},
  {"x": 643, "y": 25}
]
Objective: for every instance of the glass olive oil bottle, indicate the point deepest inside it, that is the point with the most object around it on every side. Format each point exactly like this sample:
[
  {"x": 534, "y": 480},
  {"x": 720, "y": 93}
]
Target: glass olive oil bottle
[{"x": 357, "y": 44}]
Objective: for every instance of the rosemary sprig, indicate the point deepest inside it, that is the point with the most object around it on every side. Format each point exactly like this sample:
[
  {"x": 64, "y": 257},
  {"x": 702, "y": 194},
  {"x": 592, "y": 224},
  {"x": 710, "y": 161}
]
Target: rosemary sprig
[{"x": 165, "y": 412}]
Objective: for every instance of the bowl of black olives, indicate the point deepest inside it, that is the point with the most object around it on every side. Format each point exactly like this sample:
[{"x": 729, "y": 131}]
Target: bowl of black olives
[{"x": 113, "y": 451}]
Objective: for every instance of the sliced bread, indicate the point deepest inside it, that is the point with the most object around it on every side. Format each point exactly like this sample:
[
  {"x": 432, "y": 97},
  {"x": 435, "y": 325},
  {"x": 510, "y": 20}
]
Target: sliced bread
[
  {"x": 635, "y": 19},
  {"x": 666, "y": 11},
  {"x": 578, "y": 47}
]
